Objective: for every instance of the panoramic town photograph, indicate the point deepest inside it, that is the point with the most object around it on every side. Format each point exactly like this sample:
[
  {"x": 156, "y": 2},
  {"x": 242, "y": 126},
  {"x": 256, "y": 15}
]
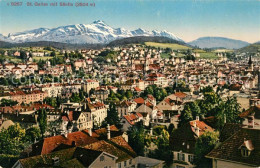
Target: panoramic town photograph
[{"x": 129, "y": 84}]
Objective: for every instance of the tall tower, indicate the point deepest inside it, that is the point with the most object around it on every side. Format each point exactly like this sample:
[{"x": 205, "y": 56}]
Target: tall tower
[{"x": 250, "y": 63}]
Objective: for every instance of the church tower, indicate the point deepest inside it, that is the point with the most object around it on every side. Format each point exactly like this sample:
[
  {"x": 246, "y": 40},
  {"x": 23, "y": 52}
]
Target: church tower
[{"x": 250, "y": 63}]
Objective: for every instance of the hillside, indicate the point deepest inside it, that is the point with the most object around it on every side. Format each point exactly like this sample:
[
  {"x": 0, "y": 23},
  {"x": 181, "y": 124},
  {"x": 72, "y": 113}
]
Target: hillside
[
  {"x": 173, "y": 46},
  {"x": 218, "y": 42},
  {"x": 253, "y": 48},
  {"x": 51, "y": 44},
  {"x": 142, "y": 40}
]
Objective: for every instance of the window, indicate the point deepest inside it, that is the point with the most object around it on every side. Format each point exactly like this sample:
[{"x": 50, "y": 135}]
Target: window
[
  {"x": 119, "y": 165},
  {"x": 245, "y": 152},
  {"x": 124, "y": 163},
  {"x": 190, "y": 158},
  {"x": 181, "y": 156},
  {"x": 102, "y": 158},
  {"x": 130, "y": 161}
]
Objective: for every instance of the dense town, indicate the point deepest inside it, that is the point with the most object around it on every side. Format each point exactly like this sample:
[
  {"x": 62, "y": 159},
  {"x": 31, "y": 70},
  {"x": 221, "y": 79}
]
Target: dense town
[{"x": 134, "y": 105}]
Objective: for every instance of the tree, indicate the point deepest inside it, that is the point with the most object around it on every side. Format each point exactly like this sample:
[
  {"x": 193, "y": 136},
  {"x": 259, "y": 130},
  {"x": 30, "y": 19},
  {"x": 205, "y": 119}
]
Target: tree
[
  {"x": 3, "y": 81},
  {"x": 190, "y": 112},
  {"x": 232, "y": 110},
  {"x": 112, "y": 117},
  {"x": 23, "y": 55},
  {"x": 211, "y": 100},
  {"x": 33, "y": 134},
  {"x": 171, "y": 128},
  {"x": 6, "y": 102},
  {"x": 136, "y": 138},
  {"x": 50, "y": 101},
  {"x": 204, "y": 144},
  {"x": 186, "y": 115},
  {"x": 42, "y": 120},
  {"x": 75, "y": 98},
  {"x": 53, "y": 54},
  {"x": 129, "y": 94},
  {"x": 12, "y": 143},
  {"x": 12, "y": 140},
  {"x": 207, "y": 89},
  {"x": 163, "y": 151}
]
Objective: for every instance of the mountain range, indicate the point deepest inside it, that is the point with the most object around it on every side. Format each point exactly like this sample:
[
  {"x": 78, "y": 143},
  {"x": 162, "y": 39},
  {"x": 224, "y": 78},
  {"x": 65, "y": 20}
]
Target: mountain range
[
  {"x": 95, "y": 33},
  {"x": 100, "y": 33},
  {"x": 218, "y": 42}
]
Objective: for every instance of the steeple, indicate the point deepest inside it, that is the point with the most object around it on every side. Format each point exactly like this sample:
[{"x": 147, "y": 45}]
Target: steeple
[
  {"x": 250, "y": 63},
  {"x": 250, "y": 60}
]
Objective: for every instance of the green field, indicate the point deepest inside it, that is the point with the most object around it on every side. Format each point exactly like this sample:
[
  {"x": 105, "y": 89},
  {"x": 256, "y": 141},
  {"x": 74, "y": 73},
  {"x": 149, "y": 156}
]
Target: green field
[
  {"x": 165, "y": 55},
  {"x": 167, "y": 45},
  {"x": 198, "y": 51},
  {"x": 11, "y": 58},
  {"x": 41, "y": 58}
]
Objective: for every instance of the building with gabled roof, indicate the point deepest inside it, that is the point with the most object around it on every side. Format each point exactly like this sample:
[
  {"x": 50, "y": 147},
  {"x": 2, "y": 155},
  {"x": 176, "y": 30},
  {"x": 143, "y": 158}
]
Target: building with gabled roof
[
  {"x": 72, "y": 157},
  {"x": 49, "y": 144},
  {"x": 242, "y": 149},
  {"x": 125, "y": 107},
  {"x": 183, "y": 141},
  {"x": 129, "y": 120}
]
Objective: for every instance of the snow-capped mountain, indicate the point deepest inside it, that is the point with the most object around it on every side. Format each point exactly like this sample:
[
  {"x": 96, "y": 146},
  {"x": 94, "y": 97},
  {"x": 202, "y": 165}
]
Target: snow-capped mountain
[{"x": 96, "y": 32}]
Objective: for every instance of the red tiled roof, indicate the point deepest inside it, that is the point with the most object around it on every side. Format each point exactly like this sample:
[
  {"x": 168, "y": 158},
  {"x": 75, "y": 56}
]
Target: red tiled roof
[
  {"x": 201, "y": 125},
  {"x": 169, "y": 101},
  {"x": 132, "y": 118},
  {"x": 139, "y": 115},
  {"x": 80, "y": 139},
  {"x": 104, "y": 130},
  {"x": 180, "y": 94},
  {"x": 139, "y": 100},
  {"x": 137, "y": 89},
  {"x": 154, "y": 66}
]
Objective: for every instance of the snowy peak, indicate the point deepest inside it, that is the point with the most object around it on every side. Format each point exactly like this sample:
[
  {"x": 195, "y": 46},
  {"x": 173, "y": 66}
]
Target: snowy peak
[
  {"x": 100, "y": 22},
  {"x": 96, "y": 32}
]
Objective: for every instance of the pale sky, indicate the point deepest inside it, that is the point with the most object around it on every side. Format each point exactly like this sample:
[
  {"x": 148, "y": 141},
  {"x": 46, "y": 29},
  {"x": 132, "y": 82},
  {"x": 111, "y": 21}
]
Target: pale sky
[{"x": 188, "y": 19}]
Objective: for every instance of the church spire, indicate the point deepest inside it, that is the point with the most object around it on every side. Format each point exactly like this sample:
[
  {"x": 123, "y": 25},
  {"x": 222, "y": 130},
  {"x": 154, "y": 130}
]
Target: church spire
[{"x": 250, "y": 60}]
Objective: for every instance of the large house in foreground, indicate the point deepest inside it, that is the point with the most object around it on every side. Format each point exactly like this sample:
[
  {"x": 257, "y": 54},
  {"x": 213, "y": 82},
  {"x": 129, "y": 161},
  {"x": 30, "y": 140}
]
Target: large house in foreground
[
  {"x": 183, "y": 143},
  {"x": 104, "y": 147},
  {"x": 242, "y": 149}
]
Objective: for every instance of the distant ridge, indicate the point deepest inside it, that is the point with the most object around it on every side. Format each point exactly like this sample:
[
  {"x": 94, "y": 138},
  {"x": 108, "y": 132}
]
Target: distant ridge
[
  {"x": 57, "y": 45},
  {"x": 218, "y": 42},
  {"x": 252, "y": 48},
  {"x": 143, "y": 39}
]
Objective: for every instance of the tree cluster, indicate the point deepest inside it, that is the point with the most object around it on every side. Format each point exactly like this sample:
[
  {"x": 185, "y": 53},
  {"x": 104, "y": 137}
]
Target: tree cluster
[
  {"x": 157, "y": 92},
  {"x": 223, "y": 110}
]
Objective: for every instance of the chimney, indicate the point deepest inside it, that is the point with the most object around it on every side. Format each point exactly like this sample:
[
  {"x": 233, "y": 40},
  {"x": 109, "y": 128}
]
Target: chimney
[
  {"x": 197, "y": 118},
  {"x": 90, "y": 132},
  {"x": 108, "y": 131},
  {"x": 225, "y": 119},
  {"x": 85, "y": 106},
  {"x": 197, "y": 131},
  {"x": 66, "y": 134},
  {"x": 251, "y": 122},
  {"x": 151, "y": 131}
]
